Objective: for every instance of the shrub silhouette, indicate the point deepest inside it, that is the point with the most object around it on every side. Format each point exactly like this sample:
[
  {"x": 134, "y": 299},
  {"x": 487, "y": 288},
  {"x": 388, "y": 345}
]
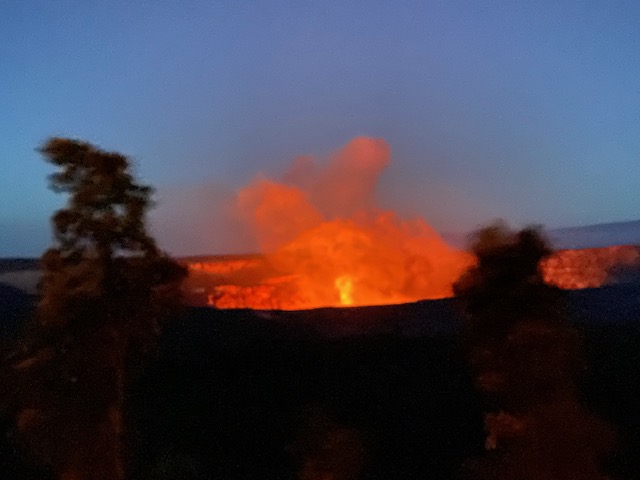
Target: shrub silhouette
[{"x": 526, "y": 357}]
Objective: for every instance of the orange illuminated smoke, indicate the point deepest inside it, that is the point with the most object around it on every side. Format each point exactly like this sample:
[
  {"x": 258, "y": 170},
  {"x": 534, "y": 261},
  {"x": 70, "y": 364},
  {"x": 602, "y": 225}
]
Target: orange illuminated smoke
[{"x": 326, "y": 243}]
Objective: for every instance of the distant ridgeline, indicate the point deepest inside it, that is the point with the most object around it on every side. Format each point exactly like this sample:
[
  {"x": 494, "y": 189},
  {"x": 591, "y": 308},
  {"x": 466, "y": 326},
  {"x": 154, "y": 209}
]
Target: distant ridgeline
[
  {"x": 249, "y": 281},
  {"x": 19, "y": 264},
  {"x": 20, "y": 273}
]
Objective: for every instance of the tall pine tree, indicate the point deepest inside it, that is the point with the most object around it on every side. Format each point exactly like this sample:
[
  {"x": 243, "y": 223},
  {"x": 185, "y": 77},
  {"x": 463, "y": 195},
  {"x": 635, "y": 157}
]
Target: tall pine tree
[{"x": 105, "y": 291}]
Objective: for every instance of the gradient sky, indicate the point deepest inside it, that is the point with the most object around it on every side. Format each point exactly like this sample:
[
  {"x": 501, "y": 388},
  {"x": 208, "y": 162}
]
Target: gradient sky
[{"x": 524, "y": 110}]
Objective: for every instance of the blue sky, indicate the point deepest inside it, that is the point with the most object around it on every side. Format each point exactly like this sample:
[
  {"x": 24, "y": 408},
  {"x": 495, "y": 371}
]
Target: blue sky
[{"x": 528, "y": 111}]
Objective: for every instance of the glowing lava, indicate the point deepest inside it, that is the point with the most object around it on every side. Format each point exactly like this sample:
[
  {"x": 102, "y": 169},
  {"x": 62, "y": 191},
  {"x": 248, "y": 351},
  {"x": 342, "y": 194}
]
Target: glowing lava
[{"x": 345, "y": 288}]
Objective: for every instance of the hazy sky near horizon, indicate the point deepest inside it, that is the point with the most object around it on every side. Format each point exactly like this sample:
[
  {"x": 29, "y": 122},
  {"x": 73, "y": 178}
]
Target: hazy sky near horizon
[{"x": 528, "y": 111}]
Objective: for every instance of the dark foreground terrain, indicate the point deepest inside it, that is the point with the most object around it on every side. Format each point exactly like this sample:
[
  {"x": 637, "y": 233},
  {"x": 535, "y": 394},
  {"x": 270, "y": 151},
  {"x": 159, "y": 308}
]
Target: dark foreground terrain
[{"x": 370, "y": 393}]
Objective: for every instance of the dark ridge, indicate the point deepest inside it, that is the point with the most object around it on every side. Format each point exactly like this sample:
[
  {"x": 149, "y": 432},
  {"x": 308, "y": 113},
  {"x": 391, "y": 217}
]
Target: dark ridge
[
  {"x": 15, "y": 307},
  {"x": 18, "y": 264}
]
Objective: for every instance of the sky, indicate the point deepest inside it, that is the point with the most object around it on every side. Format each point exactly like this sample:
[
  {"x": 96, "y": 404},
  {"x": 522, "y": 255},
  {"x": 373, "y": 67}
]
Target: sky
[{"x": 527, "y": 111}]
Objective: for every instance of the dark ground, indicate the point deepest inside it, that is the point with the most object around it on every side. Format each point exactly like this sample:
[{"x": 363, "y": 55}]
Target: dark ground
[{"x": 255, "y": 395}]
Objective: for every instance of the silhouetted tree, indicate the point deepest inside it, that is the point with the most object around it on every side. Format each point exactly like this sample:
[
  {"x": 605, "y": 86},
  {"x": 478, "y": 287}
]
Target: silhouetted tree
[
  {"x": 105, "y": 291},
  {"x": 526, "y": 357}
]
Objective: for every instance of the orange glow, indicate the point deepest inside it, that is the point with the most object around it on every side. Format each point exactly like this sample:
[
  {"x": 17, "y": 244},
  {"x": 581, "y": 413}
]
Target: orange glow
[
  {"x": 326, "y": 243},
  {"x": 252, "y": 282}
]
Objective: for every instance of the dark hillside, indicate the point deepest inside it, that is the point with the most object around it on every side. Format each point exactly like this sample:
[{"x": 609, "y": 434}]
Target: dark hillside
[
  {"x": 234, "y": 391},
  {"x": 239, "y": 410},
  {"x": 612, "y": 386},
  {"x": 243, "y": 394}
]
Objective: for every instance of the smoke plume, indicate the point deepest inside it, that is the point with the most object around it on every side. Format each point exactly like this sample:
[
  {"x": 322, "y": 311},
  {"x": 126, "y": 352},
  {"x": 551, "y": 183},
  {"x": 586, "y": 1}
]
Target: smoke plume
[{"x": 321, "y": 224}]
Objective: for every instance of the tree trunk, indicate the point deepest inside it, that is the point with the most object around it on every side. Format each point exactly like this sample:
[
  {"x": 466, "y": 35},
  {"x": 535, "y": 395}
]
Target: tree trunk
[
  {"x": 115, "y": 415},
  {"x": 101, "y": 456},
  {"x": 116, "y": 422}
]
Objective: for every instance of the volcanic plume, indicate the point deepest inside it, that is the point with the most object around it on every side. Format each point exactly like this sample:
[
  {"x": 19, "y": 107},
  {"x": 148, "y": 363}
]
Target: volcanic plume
[{"x": 326, "y": 242}]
